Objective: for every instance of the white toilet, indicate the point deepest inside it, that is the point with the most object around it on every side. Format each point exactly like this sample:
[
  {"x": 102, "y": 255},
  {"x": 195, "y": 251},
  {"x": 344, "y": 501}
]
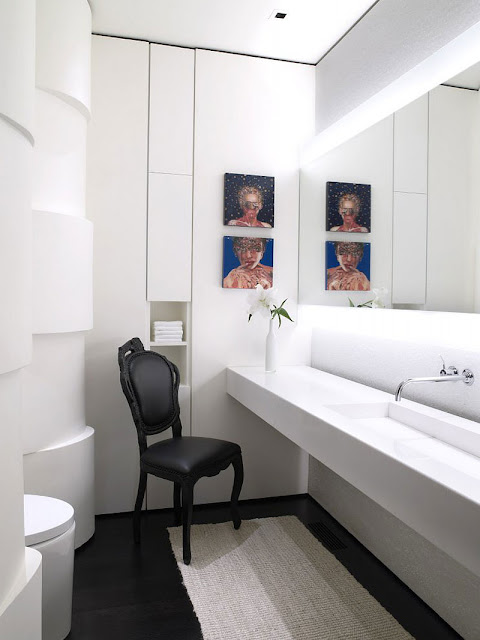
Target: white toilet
[{"x": 50, "y": 528}]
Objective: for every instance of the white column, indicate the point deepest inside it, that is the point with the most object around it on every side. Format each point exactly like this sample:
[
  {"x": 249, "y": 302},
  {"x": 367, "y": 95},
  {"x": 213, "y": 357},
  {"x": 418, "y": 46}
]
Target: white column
[
  {"x": 57, "y": 444},
  {"x": 20, "y": 570}
]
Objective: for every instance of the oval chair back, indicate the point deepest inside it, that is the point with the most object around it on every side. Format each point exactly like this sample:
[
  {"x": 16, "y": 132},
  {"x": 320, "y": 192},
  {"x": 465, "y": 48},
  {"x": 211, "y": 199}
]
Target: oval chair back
[{"x": 150, "y": 383}]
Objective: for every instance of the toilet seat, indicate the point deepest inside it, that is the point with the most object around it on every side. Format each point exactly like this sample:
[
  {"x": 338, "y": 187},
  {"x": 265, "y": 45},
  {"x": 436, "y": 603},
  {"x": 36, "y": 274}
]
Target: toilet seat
[
  {"x": 45, "y": 518},
  {"x": 50, "y": 529}
]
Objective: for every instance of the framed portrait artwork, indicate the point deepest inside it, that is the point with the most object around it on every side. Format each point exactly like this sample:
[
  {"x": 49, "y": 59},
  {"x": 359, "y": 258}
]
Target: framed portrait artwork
[
  {"x": 247, "y": 262},
  {"x": 348, "y": 207},
  {"x": 249, "y": 200},
  {"x": 347, "y": 266}
]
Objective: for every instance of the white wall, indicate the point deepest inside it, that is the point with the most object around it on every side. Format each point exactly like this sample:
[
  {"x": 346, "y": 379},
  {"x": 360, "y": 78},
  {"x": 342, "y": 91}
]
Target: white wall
[
  {"x": 17, "y": 24},
  {"x": 19, "y": 587},
  {"x": 117, "y": 204},
  {"x": 63, "y": 45},
  {"x": 251, "y": 116}
]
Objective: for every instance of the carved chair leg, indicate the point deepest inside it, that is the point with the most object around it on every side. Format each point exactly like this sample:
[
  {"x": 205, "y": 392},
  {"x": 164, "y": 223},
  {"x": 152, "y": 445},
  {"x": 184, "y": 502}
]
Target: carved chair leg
[
  {"x": 237, "y": 487},
  {"x": 177, "y": 487},
  {"x": 142, "y": 485},
  {"x": 187, "y": 509}
]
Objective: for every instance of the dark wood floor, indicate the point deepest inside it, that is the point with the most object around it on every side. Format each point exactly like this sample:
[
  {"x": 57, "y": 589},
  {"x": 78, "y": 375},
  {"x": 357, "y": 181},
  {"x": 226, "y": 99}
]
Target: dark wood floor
[{"x": 127, "y": 592}]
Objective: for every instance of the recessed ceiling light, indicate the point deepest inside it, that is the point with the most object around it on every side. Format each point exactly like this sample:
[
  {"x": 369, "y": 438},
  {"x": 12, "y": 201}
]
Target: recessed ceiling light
[{"x": 280, "y": 15}]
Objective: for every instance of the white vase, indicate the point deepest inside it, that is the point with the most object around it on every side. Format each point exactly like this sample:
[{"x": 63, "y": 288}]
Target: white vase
[{"x": 271, "y": 350}]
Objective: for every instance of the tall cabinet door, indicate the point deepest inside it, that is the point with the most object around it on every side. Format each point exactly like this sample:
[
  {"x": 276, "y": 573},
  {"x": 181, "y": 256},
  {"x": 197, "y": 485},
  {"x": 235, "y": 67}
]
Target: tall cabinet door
[
  {"x": 169, "y": 237},
  {"x": 410, "y": 211},
  {"x": 170, "y": 173}
]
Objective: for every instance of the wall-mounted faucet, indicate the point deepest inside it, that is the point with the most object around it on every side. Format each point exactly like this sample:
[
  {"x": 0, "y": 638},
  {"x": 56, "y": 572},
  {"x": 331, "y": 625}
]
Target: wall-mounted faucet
[{"x": 446, "y": 375}]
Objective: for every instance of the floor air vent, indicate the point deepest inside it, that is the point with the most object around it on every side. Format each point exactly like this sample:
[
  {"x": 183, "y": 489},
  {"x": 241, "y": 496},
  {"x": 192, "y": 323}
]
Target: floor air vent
[{"x": 326, "y": 537}]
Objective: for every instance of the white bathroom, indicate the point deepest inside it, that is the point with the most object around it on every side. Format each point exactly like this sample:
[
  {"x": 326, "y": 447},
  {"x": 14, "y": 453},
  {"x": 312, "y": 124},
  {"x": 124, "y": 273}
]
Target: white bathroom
[{"x": 338, "y": 495}]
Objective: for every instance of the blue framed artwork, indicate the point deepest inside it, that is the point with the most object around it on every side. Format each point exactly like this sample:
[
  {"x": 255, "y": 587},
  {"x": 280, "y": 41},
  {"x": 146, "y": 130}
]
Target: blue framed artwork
[
  {"x": 247, "y": 262},
  {"x": 347, "y": 266}
]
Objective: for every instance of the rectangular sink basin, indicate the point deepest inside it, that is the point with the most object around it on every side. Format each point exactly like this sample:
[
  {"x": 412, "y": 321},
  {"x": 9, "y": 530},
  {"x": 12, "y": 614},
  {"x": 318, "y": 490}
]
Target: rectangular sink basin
[{"x": 458, "y": 432}]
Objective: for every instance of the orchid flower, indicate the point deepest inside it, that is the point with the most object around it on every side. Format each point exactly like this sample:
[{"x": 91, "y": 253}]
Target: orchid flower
[{"x": 262, "y": 301}]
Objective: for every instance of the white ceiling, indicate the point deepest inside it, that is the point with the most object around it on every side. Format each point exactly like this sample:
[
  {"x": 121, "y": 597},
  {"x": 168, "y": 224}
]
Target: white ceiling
[{"x": 310, "y": 29}]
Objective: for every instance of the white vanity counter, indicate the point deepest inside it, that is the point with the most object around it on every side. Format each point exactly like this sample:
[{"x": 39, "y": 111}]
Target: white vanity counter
[{"x": 366, "y": 438}]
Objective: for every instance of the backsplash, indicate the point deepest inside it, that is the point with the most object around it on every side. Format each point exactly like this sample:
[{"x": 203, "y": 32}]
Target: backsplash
[{"x": 380, "y": 349}]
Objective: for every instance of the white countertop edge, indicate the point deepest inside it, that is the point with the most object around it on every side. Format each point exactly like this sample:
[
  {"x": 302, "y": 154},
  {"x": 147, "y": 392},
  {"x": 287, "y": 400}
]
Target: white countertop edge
[{"x": 269, "y": 382}]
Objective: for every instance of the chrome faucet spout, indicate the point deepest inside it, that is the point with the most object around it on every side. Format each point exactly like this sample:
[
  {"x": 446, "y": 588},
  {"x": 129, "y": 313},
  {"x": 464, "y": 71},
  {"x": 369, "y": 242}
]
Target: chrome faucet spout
[{"x": 467, "y": 377}]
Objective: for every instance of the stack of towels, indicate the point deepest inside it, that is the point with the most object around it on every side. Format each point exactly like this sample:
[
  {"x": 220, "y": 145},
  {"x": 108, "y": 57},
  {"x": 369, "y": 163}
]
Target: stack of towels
[{"x": 168, "y": 331}]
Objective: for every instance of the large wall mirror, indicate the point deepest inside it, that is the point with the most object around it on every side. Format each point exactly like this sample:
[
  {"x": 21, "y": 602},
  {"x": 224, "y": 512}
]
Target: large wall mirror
[{"x": 422, "y": 248}]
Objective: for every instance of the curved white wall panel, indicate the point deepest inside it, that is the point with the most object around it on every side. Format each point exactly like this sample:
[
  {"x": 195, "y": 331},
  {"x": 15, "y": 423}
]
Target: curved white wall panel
[
  {"x": 58, "y": 458},
  {"x": 53, "y": 400},
  {"x": 17, "y": 63},
  {"x": 62, "y": 273},
  {"x": 67, "y": 473},
  {"x": 63, "y": 50},
  {"x": 11, "y": 493},
  {"x": 22, "y": 619},
  {"x": 59, "y": 163},
  {"x": 15, "y": 249}
]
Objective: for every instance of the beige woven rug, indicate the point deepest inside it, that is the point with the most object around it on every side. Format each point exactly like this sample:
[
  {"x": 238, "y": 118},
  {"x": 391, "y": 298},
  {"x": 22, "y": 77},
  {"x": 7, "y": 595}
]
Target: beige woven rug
[{"x": 272, "y": 579}]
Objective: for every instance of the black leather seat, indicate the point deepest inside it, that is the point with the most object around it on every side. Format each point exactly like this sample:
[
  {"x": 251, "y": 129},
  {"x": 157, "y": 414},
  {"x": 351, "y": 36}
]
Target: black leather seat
[
  {"x": 187, "y": 455},
  {"x": 150, "y": 383}
]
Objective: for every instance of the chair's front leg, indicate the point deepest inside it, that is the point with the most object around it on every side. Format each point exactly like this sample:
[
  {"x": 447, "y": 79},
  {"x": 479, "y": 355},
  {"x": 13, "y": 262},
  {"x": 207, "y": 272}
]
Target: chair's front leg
[
  {"x": 142, "y": 485},
  {"x": 187, "y": 509},
  {"x": 177, "y": 508},
  {"x": 237, "y": 487}
]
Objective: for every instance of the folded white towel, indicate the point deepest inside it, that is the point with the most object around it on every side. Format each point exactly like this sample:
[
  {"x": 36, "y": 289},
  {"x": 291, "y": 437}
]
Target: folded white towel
[
  {"x": 162, "y": 339},
  {"x": 165, "y": 331},
  {"x": 167, "y": 323},
  {"x": 174, "y": 328},
  {"x": 170, "y": 334}
]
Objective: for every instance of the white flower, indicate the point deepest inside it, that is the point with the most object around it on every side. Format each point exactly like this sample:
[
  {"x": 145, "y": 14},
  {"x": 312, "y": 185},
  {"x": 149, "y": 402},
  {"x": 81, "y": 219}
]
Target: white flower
[{"x": 261, "y": 301}]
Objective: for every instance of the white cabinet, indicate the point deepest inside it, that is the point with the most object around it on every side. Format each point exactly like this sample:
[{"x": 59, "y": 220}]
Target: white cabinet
[
  {"x": 169, "y": 237},
  {"x": 411, "y": 147},
  {"x": 172, "y": 80},
  {"x": 172, "y": 86},
  {"x": 452, "y": 202},
  {"x": 410, "y": 180},
  {"x": 409, "y": 248}
]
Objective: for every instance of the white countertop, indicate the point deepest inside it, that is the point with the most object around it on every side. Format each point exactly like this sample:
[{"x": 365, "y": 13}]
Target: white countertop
[{"x": 429, "y": 484}]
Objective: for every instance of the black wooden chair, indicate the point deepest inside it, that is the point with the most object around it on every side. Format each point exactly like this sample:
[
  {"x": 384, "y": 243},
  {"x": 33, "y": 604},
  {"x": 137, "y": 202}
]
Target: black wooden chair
[{"x": 150, "y": 383}]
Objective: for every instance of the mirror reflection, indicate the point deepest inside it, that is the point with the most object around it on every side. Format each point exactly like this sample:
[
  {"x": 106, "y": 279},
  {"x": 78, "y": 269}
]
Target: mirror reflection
[{"x": 414, "y": 242}]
